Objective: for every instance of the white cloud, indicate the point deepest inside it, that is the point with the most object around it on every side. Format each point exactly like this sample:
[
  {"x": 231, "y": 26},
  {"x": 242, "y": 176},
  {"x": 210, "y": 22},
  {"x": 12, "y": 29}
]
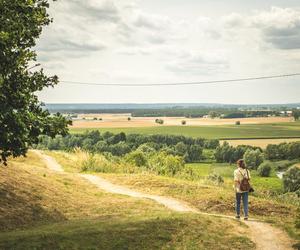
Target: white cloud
[
  {"x": 280, "y": 27},
  {"x": 199, "y": 63}
]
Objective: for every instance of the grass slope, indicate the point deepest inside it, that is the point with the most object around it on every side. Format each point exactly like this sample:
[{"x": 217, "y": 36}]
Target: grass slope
[
  {"x": 40, "y": 209},
  {"x": 276, "y": 130}
]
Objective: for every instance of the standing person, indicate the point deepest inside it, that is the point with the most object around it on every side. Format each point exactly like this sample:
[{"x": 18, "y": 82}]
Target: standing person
[{"x": 242, "y": 187}]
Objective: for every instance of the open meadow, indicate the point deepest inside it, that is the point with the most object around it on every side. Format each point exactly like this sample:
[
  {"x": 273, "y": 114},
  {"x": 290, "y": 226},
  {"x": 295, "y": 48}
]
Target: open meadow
[{"x": 268, "y": 131}]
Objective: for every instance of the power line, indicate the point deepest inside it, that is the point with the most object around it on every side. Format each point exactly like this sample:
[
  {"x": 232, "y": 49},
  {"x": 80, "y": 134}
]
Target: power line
[{"x": 183, "y": 83}]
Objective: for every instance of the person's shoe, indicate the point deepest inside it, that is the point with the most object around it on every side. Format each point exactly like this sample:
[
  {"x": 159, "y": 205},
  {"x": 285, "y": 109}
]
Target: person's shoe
[
  {"x": 237, "y": 217},
  {"x": 246, "y": 218}
]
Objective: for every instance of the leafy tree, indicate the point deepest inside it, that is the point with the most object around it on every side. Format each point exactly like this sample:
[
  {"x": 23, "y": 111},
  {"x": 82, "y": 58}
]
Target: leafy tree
[
  {"x": 291, "y": 179},
  {"x": 272, "y": 152},
  {"x": 22, "y": 119},
  {"x": 213, "y": 114},
  {"x": 253, "y": 158},
  {"x": 101, "y": 146},
  {"x": 119, "y": 149},
  {"x": 296, "y": 114},
  {"x": 194, "y": 153},
  {"x": 137, "y": 158},
  {"x": 181, "y": 149},
  {"x": 264, "y": 169}
]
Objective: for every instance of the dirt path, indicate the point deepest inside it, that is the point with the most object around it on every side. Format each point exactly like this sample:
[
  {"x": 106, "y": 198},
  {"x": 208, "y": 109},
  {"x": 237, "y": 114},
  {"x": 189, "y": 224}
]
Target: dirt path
[
  {"x": 49, "y": 161},
  {"x": 265, "y": 236}
]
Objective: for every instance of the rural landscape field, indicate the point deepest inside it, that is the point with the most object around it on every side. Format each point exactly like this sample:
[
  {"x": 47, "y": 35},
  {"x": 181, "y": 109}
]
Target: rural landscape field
[{"x": 149, "y": 125}]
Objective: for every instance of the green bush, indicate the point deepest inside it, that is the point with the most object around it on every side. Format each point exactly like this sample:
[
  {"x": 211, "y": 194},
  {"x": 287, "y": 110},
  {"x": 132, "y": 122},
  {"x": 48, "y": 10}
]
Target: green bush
[
  {"x": 291, "y": 179},
  {"x": 264, "y": 169},
  {"x": 165, "y": 164},
  {"x": 253, "y": 158},
  {"x": 137, "y": 158}
]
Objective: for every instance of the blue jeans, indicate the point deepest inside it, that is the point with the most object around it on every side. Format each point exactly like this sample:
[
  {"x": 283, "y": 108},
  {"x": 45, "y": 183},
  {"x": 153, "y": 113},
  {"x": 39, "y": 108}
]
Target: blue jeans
[{"x": 244, "y": 196}]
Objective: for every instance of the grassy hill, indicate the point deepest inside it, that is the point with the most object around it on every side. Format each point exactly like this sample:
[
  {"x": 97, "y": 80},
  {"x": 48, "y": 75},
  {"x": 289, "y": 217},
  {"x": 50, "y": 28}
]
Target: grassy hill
[
  {"x": 40, "y": 209},
  {"x": 268, "y": 203}
]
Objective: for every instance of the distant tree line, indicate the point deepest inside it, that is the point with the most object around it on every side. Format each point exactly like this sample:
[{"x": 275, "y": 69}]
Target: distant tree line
[
  {"x": 283, "y": 151},
  {"x": 230, "y": 154},
  {"x": 254, "y": 155},
  {"x": 245, "y": 114},
  {"x": 121, "y": 144}
]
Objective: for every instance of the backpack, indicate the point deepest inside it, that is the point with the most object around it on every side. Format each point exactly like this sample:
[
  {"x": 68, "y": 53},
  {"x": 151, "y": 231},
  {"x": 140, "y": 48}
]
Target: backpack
[{"x": 245, "y": 185}]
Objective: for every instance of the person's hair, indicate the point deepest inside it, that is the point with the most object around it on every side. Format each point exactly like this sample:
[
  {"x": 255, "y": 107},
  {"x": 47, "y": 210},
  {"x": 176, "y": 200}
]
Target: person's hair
[{"x": 241, "y": 163}]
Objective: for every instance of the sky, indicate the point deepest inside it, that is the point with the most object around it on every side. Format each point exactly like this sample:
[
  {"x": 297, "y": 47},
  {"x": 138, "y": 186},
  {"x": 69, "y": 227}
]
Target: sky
[{"x": 154, "y": 41}]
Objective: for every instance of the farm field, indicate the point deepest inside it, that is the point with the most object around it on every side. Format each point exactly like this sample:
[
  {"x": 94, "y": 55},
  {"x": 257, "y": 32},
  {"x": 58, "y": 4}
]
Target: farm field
[
  {"x": 254, "y": 131},
  {"x": 121, "y": 120},
  {"x": 262, "y": 143}
]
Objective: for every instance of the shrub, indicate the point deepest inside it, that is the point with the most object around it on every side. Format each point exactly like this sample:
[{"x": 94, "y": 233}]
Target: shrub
[
  {"x": 253, "y": 158},
  {"x": 291, "y": 179},
  {"x": 183, "y": 122},
  {"x": 237, "y": 123},
  {"x": 129, "y": 118},
  {"x": 159, "y": 121},
  {"x": 164, "y": 164},
  {"x": 216, "y": 178},
  {"x": 137, "y": 158},
  {"x": 264, "y": 169}
]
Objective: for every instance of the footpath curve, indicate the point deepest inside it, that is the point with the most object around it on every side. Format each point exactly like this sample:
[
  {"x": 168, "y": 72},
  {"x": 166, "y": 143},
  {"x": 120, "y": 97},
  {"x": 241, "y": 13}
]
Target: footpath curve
[{"x": 264, "y": 235}]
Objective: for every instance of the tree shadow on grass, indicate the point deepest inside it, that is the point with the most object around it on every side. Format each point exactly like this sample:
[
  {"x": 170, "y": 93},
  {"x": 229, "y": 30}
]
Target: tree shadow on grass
[
  {"x": 166, "y": 232},
  {"x": 20, "y": 209}
]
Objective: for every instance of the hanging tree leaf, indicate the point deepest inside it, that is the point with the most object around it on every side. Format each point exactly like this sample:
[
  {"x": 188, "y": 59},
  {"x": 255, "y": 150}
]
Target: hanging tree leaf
[{"x": 22, "y": 118}]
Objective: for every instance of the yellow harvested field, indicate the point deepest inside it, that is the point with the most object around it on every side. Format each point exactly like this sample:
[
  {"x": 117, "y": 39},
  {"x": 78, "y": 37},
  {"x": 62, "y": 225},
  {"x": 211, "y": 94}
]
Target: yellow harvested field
[
  {"x": 121, "y": 121},
  {"x": 260, "y": 142}
]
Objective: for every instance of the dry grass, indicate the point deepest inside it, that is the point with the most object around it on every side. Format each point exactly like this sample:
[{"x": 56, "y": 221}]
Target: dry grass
[
  {"x": 31, "y": 194},
  {"x": 120, "y": 121},
  {"x": 62, "y": 211},
  {"x": 263, "y": 143}
]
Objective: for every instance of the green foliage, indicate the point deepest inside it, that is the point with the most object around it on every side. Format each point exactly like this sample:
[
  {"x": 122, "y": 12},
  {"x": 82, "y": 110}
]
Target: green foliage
[
  {"x": 283, "y": 151},
  {"x": 296, "y": 114},
  {"x": 165, "y": 164},
  {"x": 138, "y": 158},
  {"x": 121, "y": 144},
  {"x": 291, "y": 179},
  {"x": 264, "y": 169},
  {"x": 183, "y": 122},
  {"x": 253, "y": 158},
  {"x": 213, "y": 114},
  {"x": 230, "y": 154},
  {"x": 22, "y": 118},
  {"x": 237, "y": 123},
  {"x": 159, "y": 121}
]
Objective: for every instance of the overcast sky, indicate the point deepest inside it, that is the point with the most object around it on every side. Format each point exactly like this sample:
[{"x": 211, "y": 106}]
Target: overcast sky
[{"x": 155, "y": 41}]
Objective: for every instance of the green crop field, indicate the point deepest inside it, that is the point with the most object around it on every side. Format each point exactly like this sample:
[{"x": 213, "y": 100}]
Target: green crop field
[{"x": 276, "y": 130}]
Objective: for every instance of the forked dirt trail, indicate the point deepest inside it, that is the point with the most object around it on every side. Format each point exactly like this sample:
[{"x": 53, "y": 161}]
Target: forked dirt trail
[{"x": 265, "y": 236}]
